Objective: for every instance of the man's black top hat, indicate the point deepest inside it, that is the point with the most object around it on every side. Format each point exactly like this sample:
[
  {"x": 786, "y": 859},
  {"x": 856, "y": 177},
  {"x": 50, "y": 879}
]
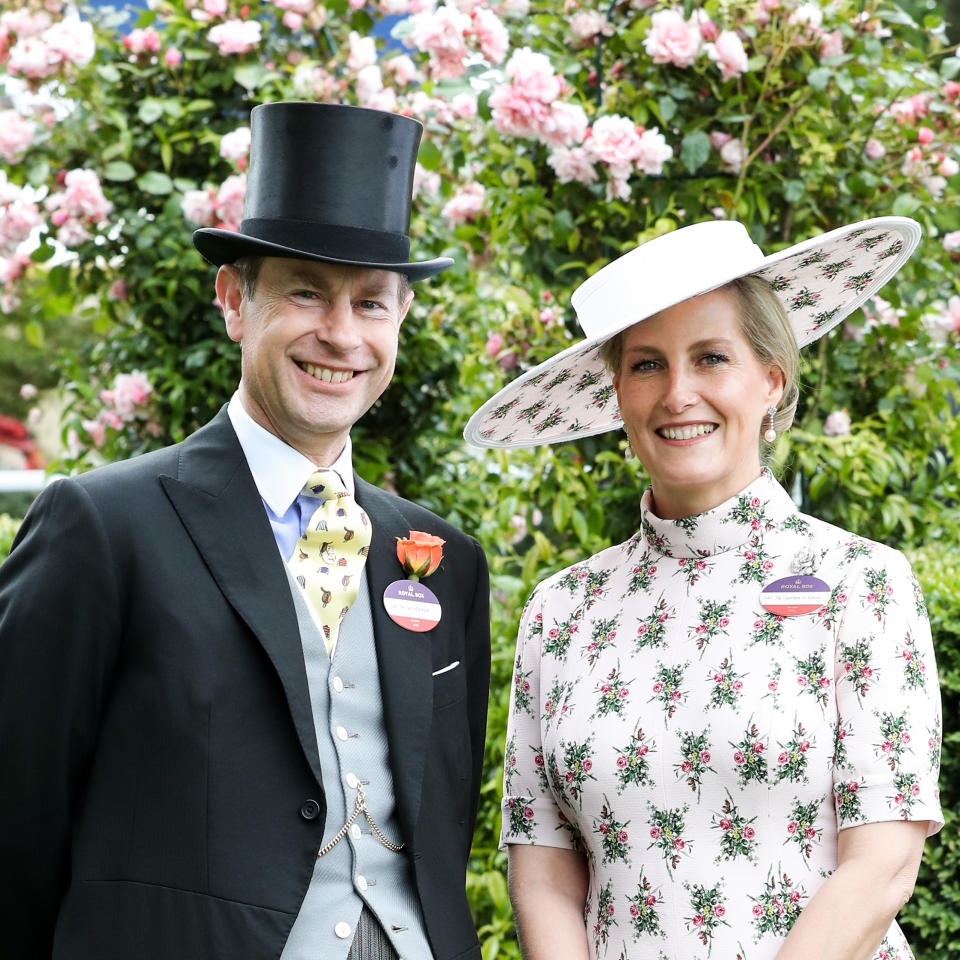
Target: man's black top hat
[{"x": 327, "y": 182}]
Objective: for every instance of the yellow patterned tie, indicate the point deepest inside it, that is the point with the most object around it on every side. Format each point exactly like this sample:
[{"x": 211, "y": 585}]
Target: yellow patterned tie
[{"x": 328, "y": 559}]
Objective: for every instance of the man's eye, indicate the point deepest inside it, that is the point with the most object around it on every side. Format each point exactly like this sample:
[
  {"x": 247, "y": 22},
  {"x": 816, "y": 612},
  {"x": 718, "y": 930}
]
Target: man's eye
[
  {"x": 370, "y": 305},
  {"x": 306, "y": 294}
]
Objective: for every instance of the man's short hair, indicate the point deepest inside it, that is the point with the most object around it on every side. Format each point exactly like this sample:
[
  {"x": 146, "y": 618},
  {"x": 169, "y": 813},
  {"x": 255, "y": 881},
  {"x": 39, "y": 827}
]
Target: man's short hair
[{"x": 249, "y": 269}]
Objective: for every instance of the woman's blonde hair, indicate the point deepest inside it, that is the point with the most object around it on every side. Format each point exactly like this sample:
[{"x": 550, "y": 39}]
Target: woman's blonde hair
[{"x": 765, "y": 324}]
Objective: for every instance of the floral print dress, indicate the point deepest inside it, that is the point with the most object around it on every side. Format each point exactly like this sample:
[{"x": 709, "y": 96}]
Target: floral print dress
[{"x": 702, "y": 751}]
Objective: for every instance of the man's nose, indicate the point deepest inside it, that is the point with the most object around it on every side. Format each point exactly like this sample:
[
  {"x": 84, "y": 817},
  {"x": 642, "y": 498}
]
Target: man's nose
[{"x": 339, "y": 328}]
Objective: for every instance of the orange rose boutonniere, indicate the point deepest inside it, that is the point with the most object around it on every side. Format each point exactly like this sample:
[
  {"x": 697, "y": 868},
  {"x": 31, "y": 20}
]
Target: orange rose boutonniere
[{"x": 420, "y": 553}]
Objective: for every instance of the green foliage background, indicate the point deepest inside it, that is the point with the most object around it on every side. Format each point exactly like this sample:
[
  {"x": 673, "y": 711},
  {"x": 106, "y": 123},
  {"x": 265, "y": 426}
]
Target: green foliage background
[{"x": 152, "y": 133}]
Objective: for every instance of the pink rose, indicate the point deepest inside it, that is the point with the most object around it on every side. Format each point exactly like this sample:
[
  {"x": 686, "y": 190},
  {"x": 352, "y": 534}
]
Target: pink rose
[
  {"x": 802, "y": 680},
  {"x": 235, "y": 36},
  {"x": 724, "y": 622},
  {"x": 650, "y": 900},
  {"x": 672, "y": 39},
  {"x": 675, "y": 695},
  {"x": 569, "y": 776},
  {"x": 853, "y": 786},
  {"x": 654, "y": 833},
  {"x": 810, "y": 833},
  {"x": 623, "y": 836},
  {"x": 737, "y": 684},
  {"x": 728, "y": 54},
  {"x": 491, "y": 34},
  {"x": 757, "y": 910},
  {"x": 804, "y": 746},
  {"x": 528, "y": 813},
  {"x": 831, "y": 45},
  {"x": 874, "y": 149},
  {"x": 794, "y": 896},
  {"x": 466, "y": 204},
  {"x": 772, "y": 686},
  {"x": 915, "y": 789},
  {"x": 725, "y": 824},
  {"x": 758, "y": 747},
  {"x": 624, "y": 693},
  {"x": 783, "y": 758},
  {"x": 749, "y": 833},
  {"x": 587, "y": 765},
  {"x": 824, "y": 682},
  {"x": 538, "y": 759},
  {"x": 642, "y": 629},
  {"x": 621, "y": 762},
  {"x": 698, "y": 920},
  {"x": 634, "y": 910},
  {"x": 719, "y": 910},
  {"x": 440, "y": 34},
  {"x": 705, "y": 756},
  {"x": 658, "y": 687},
  {"x": 605, "y": 828},
  {"x": 686, "y": 766},
  {"x": 642, "y": 750},
  {"x": 904, "y": 737},
  {"x": 678, "y": 844},
  {"x": 792, "y": 827},
  {"x": 738, "y": 757}
]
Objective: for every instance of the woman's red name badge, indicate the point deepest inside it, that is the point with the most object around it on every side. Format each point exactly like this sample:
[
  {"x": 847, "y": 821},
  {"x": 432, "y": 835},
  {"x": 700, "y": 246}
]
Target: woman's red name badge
[
  {"x": 412, "y": 605},
  {"x": 794, "y": 596}
]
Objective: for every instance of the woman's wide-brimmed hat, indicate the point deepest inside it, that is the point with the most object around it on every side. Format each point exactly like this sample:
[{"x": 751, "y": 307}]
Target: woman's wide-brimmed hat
[
  {"x": 819, "y": 282},
  {"x": 327, "y": 182}
]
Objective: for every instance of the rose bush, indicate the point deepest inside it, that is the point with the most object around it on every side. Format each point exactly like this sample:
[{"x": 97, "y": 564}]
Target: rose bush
[{"x": 556, "y": 138}]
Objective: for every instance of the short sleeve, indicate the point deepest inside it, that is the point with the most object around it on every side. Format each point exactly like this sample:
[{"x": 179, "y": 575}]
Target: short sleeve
[
  {"x": 529, "y": 812},
  {"x": 887, "y": 743}
]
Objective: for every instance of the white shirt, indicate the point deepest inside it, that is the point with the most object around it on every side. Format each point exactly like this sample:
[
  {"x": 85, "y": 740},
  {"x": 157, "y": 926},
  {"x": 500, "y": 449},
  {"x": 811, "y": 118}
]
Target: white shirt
[{"x": 280, "y": 473}]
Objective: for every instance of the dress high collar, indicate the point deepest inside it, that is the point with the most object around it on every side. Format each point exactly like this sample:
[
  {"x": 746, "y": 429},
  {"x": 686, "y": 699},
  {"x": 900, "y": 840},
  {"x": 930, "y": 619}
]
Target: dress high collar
[{"x": 762, "y": 506}]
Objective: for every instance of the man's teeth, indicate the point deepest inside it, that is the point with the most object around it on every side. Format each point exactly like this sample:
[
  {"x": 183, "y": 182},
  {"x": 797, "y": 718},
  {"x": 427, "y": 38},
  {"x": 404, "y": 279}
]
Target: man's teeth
[
  {"x": 325, "y": 373},
  {"x": 687, "y": 433}
]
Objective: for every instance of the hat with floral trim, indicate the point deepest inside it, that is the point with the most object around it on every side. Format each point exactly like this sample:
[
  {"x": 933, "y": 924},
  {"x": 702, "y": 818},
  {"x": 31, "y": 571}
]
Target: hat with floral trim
[{"x": 819, "y": 282}]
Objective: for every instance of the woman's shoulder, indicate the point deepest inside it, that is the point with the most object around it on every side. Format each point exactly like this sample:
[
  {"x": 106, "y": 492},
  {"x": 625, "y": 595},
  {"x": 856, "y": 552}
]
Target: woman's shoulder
[
  {"x": 590, "y": 574},
  {"x": 845, "y": 548}
]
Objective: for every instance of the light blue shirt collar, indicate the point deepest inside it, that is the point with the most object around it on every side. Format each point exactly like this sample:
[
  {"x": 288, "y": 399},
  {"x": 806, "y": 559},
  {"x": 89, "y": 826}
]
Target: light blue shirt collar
[{"x": 280, "y": 473}]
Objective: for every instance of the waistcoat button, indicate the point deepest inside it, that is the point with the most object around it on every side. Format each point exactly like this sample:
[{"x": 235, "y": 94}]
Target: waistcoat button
[
  {"x": 342, "y": 733},
  {"x": 352, "y": 780},
  {"x": 310, "y": 810},
  {"x": 342, "y": 930}
]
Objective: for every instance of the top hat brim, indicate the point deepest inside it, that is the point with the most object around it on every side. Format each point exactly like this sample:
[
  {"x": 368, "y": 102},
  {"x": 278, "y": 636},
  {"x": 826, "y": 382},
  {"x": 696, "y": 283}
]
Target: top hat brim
[
  {"x": 219, "y": 246},
  {"x": 571, "y": 396}
]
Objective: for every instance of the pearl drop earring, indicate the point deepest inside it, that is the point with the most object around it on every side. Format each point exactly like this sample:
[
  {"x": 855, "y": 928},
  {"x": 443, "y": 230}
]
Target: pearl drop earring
[
  {"x": 770, "y": 434},
  {"x": 628, "y": 453}
]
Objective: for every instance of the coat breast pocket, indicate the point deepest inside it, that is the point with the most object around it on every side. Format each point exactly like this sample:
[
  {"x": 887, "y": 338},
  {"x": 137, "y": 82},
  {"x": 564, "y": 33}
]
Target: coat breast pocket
[{"x": 449, "y": 685}]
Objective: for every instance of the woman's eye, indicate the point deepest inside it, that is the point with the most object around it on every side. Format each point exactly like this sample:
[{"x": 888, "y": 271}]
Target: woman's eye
[
  {"x": 713, "y": 359},
  {"x": 643, "y": 366}
]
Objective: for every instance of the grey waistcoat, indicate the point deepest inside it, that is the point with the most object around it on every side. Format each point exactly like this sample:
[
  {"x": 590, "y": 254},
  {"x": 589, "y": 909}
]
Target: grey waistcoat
[{"x": 352, "y": 741}]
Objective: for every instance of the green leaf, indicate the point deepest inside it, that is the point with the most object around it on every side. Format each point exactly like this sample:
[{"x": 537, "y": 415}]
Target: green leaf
[
  {"x": 844, "y": 81},
  {"x": 817, "y": 483},
  {"x": 819, "y": 77},
  {"x": 252, "y": 76},
  {"x": 793, "y": 190},
  {"x": 905, "y": 205},
  {"x": 43, "y": 252},
  {"x": 667, "y": 107},
  {"x": 150, "y": 111},
  {"x": 155, "y": 182},
  {"x": 109, "y": 73},
  {"x": 430, "y": 156},
  {"x": 38, "y": 173},
  {"x": 694, "y": 150},
  {"x": 119, "y": 171},
  {"x": 33, "y": 331},
  {"x": 950, "y": 67}
]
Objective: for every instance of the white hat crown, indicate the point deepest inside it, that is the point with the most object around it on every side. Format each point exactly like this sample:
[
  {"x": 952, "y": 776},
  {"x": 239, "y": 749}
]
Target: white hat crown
[{"x": 645, "y": 280}]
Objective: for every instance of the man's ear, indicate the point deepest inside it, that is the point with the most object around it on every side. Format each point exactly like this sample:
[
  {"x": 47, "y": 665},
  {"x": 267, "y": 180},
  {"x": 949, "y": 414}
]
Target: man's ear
[
  {"x": 230, "y": 295},
  {"x": 405, "y": 307}
]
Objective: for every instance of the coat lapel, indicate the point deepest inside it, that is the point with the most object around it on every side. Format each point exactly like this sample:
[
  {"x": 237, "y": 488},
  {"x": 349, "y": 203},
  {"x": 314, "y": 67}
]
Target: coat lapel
[
  {"x": 218, "y": 503},
  {"x": 405, "y": 659}
]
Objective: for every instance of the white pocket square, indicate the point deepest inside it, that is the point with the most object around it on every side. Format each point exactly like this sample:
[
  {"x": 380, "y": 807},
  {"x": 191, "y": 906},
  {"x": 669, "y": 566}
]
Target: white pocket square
[{"x": 449, "y": 666}]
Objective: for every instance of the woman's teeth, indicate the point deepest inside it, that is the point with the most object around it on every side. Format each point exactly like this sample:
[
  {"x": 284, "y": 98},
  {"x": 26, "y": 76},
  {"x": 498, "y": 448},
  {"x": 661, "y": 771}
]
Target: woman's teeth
[{"x": 687, "y": 433}]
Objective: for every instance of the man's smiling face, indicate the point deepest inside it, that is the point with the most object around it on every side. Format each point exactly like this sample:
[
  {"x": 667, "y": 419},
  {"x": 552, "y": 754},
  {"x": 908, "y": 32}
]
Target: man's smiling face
[{"x": 319, "y": 343}]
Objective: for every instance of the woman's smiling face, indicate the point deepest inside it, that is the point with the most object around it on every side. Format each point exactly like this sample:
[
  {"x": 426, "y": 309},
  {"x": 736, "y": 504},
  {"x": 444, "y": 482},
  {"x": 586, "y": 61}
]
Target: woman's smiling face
[{"x": 693, "y": 395}]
